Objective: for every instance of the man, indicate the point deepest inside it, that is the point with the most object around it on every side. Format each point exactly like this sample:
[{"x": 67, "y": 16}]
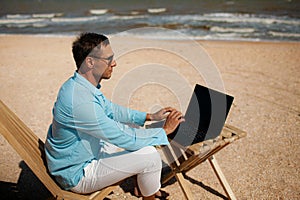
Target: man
[{"x": 85, "y": 124}]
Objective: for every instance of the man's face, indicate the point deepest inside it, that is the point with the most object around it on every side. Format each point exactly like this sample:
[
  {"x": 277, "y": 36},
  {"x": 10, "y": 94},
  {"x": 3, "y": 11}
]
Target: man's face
[{"x": 104, "y": 62}]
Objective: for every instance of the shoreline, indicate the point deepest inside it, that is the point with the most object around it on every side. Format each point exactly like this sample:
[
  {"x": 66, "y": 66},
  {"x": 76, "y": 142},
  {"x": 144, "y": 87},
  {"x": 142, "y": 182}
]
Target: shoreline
[{"x": 147, "y": 38}]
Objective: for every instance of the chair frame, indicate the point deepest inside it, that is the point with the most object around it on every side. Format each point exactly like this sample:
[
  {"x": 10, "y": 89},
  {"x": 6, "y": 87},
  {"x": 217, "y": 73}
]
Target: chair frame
[
  {"x": 183, "y": 159},
  {"x": 31, "y": 150}
]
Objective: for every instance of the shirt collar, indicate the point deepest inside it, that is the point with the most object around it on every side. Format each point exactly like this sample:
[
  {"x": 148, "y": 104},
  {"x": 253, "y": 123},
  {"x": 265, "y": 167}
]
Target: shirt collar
[{"x": 83, "y": 81}]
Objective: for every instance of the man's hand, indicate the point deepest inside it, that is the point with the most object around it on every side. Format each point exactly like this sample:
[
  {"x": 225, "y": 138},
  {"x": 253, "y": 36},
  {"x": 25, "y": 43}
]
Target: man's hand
[
  {"x": 173, "y": 120},
  {"x": 159, "y": 115}
]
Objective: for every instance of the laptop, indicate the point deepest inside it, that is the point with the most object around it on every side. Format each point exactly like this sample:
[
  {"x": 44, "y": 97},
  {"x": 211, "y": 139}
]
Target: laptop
[{"x": 204, "y": 118}]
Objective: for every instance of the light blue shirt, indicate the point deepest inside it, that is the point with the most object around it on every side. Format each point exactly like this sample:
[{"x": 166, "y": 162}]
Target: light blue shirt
[{"x": 83, "y": 120}]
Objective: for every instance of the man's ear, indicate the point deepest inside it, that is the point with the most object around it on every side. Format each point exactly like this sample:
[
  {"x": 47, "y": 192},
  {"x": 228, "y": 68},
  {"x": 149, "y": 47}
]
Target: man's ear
[{"x": 89, "y": 62}]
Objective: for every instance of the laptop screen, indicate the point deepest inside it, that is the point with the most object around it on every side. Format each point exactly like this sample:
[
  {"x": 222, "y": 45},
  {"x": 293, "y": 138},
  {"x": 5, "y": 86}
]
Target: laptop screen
[{"x": 204, "y": 118}]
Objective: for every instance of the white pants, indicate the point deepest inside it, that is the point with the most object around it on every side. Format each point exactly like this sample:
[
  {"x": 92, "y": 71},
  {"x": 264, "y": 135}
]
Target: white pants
[{"x": 145, "y": 163}]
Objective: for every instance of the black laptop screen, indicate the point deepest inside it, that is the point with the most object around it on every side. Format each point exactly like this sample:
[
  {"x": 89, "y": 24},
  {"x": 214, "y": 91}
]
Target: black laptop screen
[{"x": 204, "y": 118}]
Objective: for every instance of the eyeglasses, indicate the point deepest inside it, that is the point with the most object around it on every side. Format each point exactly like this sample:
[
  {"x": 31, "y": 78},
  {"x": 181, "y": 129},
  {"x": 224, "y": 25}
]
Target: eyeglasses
[{"x": 108, "y": 60}]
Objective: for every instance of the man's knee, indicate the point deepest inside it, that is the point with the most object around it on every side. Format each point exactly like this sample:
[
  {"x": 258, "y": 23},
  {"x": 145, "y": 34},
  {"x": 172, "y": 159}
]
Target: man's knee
[
  {"x": 148, "y": 150},
  {"x": 151, "y": 156}
]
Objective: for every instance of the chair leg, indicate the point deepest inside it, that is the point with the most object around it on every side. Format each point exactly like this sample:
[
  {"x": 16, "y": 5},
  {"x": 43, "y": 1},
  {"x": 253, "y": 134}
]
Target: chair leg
[
  {"x": 178, "y": 175},
  {"x": 213, "y": 162},
  {"x": 185, "y": 188}
]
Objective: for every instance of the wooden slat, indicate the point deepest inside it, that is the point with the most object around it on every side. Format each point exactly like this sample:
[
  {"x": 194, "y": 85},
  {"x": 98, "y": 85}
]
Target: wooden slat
[
  {"x": 17, "y": 135},
  {"x": 172, "y": 163},
  {"x": 201, "y": 160},
  {"x": 198, "y": 153},
  {"x": 235, "y": 130},
  {"x": 31, "y": 149},
  {"x": 103, "y": 193},
  {"x": 185, "y": 188},
  {"x": 214, "y": 164}
]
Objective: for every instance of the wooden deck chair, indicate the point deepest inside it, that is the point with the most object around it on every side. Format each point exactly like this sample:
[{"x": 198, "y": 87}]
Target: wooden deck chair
[
  {"x": 182, "y": 159},
  {"x": 31, "y": 149}
]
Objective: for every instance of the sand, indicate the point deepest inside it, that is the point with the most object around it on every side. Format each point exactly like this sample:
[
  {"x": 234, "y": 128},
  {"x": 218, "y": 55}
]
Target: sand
[{"x": 262, "y": 76}]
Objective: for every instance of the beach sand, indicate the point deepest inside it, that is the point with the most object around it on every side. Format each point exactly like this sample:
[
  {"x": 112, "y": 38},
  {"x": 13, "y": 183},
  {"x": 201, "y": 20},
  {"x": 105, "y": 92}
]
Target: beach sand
[{"x": 262, "y": 76}]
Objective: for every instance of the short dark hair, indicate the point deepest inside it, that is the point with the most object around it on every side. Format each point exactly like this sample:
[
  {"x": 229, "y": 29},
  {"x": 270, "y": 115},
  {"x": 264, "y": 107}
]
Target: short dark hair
[{"x": 84, "y": 44}]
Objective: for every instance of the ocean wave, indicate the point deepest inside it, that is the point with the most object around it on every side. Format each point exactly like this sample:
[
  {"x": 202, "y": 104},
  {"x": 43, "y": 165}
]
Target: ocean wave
[
  {"x": 182, "y": 35},
  {"x": 17, "y": 16},
  {"x": 126, "y": 17},
  {"x": 221, "y": 14},
  {"x": 214, "y": 25},
  {"x": 47, "y": 15},
  {"x": 156, "y": 10},
  {"x": 34, "y": 25},
  {"x": 134, "y": 12},
  {"x": 19, "y": 21},
  {"x": 17, "y": 25},
  {"x": 98, "y": 11},
  {"x": 35, "y": 15},
  {"x": 281, "y": 34},
  {"x": 234, "y": 30},
  {"x": 39, "y": 25},
  {"x": 228, "y": 18},
  {"x": 74, "y": 19},
  {"x": 246, "y": 18},
  {"x": 179, "y": 19}
]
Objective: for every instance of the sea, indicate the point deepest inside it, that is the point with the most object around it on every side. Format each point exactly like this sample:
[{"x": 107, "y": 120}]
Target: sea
[{"x": 250, "y": 20}]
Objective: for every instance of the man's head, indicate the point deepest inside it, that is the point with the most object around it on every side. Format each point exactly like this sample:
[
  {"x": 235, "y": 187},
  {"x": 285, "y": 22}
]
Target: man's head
[
  {"x": 84, "y": 45},
  {"x": 93, "y": 56}
]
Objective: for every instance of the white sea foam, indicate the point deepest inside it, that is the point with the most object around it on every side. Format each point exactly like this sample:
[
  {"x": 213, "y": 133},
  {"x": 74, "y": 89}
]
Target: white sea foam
[
  {"x": 235, "y": 30},
  {"x": 17, "y": 16},
  {"x": 17, "y": 25},
  {"x": 74, "y": 19},
  {"x": 222, "y": 15},
  {"x": 39, "y": 25},
  {"x": 245, "y": 18},
  {"x": 156, "y": 10},
  {"x": 134, "y": 12},
  {"x": 47, "y": 15},
  {"x": 280, "y": 34},
  {"x": 20, "y": 21},
  {"x": 98, "y": 11},
  {"x": 126, "y": 17}
]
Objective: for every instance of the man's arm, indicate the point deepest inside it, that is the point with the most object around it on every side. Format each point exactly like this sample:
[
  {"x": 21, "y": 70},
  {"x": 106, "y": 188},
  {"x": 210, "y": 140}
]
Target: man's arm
[
  {"x": 123, "y": 114},
  {"x": 90, "y": 119},
  {"x": 126, "y": 115}
]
